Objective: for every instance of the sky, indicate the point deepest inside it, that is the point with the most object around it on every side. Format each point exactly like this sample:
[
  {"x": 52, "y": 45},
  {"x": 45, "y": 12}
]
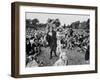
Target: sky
[{"x": 64, "y": 18}]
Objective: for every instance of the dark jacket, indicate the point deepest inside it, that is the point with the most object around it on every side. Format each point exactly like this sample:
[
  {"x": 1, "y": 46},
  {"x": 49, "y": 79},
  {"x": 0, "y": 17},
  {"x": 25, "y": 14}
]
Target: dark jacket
[
  {"x": 87, "y": 53},
  {"x": 28, "y": 48},
  {"x": 52, "y": 40}
]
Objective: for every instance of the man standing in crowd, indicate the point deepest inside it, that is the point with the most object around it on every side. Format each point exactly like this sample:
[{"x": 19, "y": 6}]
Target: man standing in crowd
[
  {"x": 52, "y": 39},
  {"x": 87, "y": 55}
]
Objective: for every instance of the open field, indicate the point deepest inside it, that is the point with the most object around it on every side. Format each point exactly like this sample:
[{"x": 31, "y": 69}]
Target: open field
[{"x": 74, "y": 57}]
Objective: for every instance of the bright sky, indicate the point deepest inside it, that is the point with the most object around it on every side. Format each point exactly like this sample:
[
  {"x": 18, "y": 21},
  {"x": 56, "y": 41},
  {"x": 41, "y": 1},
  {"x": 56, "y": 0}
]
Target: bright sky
[{"x": 64, "y": 18}]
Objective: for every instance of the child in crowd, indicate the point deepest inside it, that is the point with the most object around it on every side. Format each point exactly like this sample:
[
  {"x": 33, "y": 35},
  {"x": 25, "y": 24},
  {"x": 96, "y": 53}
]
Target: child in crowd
[{"x": 63, "y": 60}]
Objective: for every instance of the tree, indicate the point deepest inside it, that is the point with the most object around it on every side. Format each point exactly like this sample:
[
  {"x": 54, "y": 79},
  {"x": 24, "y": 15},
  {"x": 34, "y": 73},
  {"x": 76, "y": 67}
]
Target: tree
[
  {"x": 64, "y": 26},
  {"x": 75, "y": 25},
  {"x": 68, "y": 26},
  {"x": 35, "y": 21},
  {"x": 28, "y": 21}
]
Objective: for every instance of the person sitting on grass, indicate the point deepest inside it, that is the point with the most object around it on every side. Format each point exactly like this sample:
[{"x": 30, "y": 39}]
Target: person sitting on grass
[
  {"x": 36, "y": 47},
  {"x": 63, "y": 60},
  {"x": 32, "y": 62}
]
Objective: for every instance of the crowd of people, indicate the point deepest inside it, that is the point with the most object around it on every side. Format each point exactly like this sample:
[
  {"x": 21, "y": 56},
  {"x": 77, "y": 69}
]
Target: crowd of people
[
  {"x": 57, "y": 40},
  {"x": 74, "y": 39}
]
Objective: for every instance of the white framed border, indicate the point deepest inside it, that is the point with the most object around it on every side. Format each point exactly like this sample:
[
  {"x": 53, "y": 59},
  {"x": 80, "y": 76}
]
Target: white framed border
[{"x": 73, "y": 68}]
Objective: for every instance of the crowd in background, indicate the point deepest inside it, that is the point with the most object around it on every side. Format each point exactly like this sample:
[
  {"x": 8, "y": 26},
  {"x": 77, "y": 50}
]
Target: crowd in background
[{"x": 69, "y": 38}]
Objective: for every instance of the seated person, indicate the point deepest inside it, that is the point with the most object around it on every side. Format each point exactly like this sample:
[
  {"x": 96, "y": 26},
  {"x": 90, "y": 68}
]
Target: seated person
[
  {"x": 28, "y": 47},
  {"x": 62, "y": 61},
  {"x": 35, "y": 47},
  {"x": 32, "y": 63}
]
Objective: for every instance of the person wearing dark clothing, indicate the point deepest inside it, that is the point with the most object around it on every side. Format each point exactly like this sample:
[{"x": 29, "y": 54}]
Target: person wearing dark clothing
[
  {"x": 28, "y": 47},
  {"x": 35, "y": 47},
  {"x": 48, "y": 39},
  {"x": 71, "y": 32},
  {"x": 52, "y": 41},
  {"x": 81, "y": 39},
  {"x": 87, "y": 54}
]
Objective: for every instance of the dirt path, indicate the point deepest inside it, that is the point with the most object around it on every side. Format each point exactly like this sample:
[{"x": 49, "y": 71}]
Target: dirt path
[
  {"x": 74, "y": 57},
  {"x": 45, "y": 57}
]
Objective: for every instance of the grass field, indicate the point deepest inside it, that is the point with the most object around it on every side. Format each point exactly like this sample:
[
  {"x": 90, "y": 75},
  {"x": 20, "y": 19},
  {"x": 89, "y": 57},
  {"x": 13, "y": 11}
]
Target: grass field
[{"x": 74, "y": 57}]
